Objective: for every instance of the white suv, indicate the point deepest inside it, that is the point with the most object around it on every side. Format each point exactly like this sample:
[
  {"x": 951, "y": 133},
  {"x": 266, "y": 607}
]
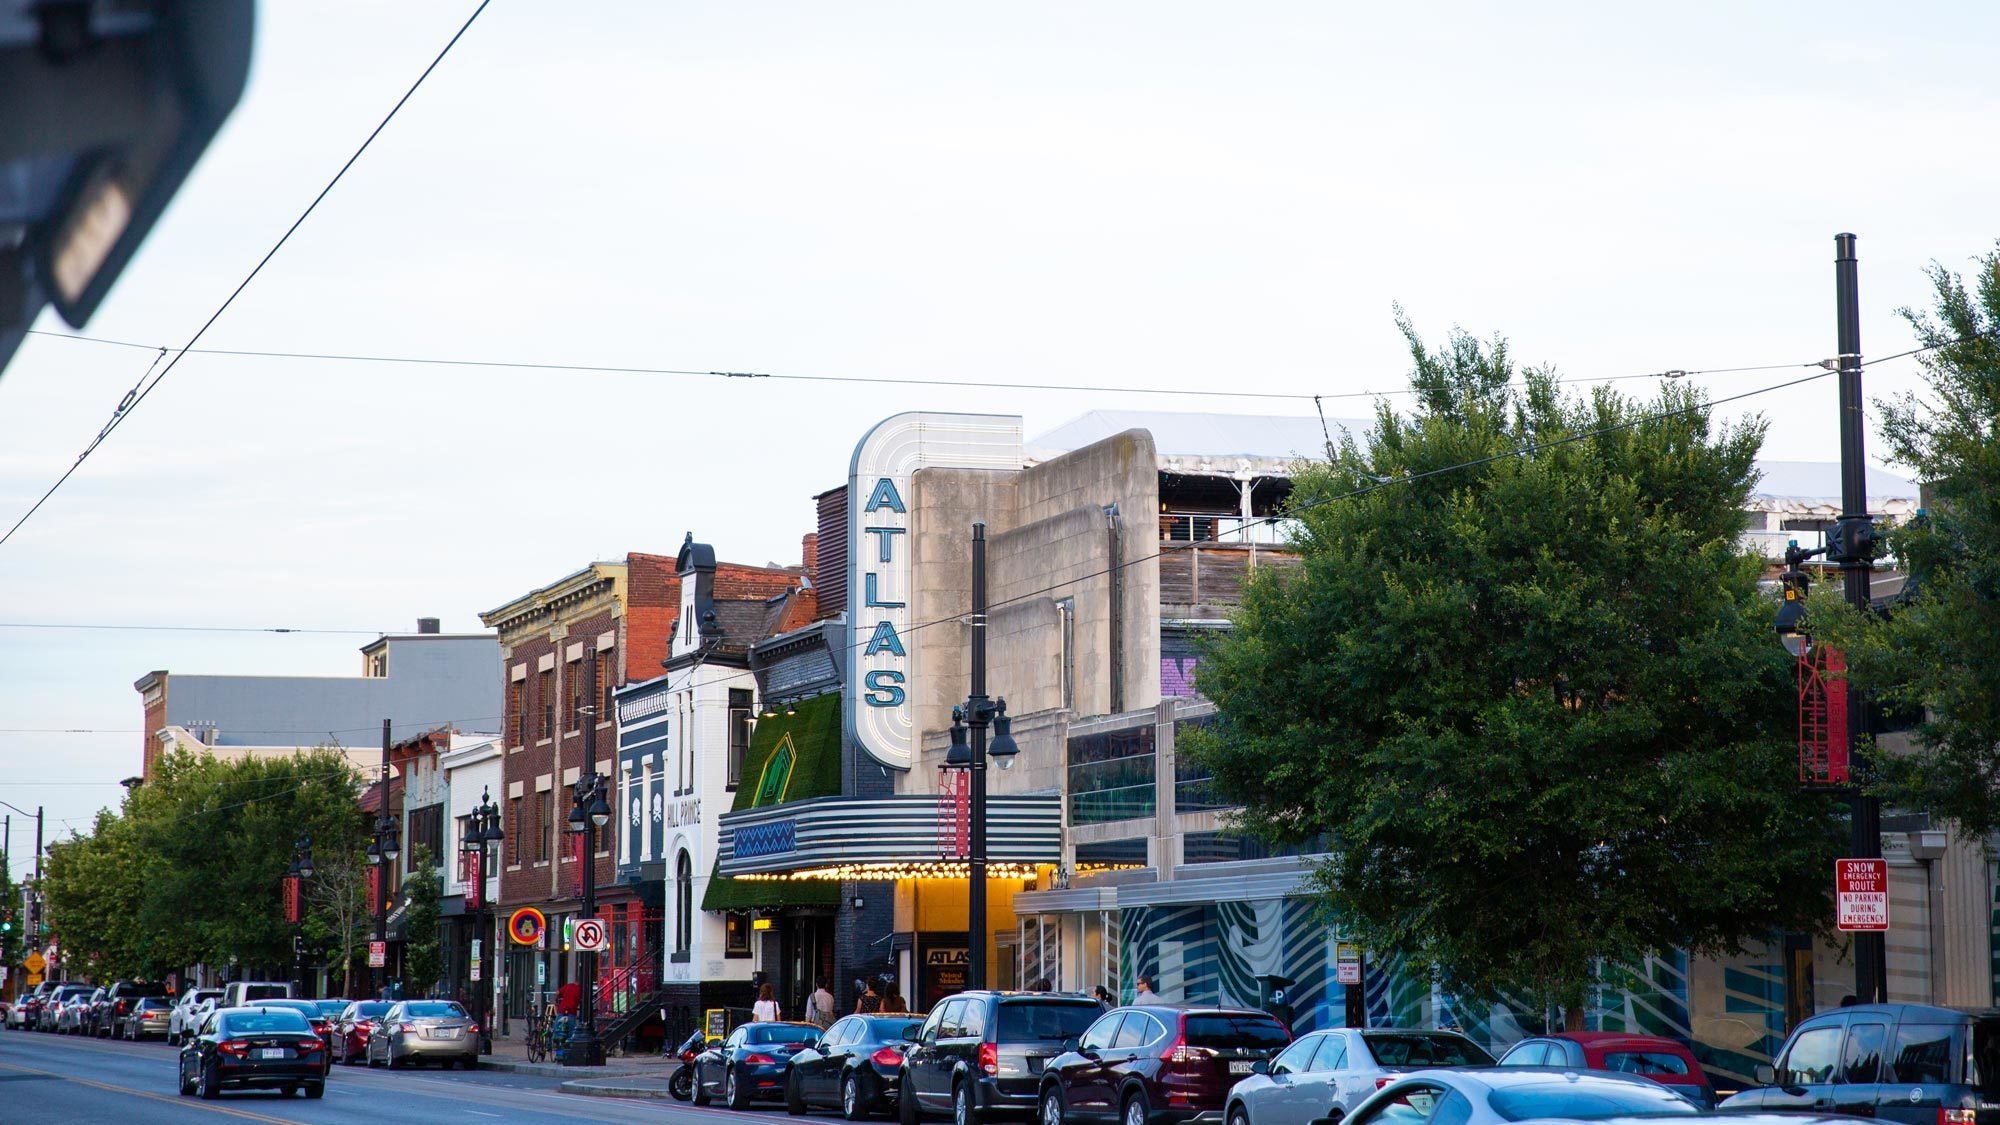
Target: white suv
[{"x": 188, "y": 1010}]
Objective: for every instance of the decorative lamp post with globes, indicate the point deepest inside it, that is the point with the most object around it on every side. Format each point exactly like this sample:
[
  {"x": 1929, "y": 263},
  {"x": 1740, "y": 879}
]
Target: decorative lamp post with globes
[
  {"x": 295, "y": 877},
  {"x": 591, "y": 812},
  {"x": 974, "y": 716},
  {"x": 382, "y": 853},
  {"x": 482, "y": 834}
]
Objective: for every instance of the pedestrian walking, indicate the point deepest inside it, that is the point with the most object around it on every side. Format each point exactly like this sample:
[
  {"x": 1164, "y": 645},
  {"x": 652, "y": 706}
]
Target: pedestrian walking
[
  {"x": 766, "y": 1007},
  {"x": 819, "y": 1006},
  {"x": 869, "y": 1000},
  {"x": 1103, "y": 997},
  {"x": 1145, "y": 995}
]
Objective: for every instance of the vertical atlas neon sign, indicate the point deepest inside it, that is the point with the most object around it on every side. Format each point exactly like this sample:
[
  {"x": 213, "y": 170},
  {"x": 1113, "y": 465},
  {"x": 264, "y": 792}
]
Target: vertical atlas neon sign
[{"x": 882, "y": 659}]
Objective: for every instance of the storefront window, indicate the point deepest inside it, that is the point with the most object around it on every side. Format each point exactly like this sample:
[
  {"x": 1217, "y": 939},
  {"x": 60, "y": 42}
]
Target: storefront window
[
  {"x": 1111, "y": 775},
  {"x": 1194, "y": 786},
  {"x": 1110, "y": 855},
  {"x": 1228, "y": 847}
]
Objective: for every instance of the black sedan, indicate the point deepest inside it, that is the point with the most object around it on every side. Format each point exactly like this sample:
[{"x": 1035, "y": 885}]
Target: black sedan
[
  {"x": 751, "y": 1063},
  {"x": 256, "y": 1048},
  {"x": 316, "y": 1014},
  {"x": 853, "y": 1067}
]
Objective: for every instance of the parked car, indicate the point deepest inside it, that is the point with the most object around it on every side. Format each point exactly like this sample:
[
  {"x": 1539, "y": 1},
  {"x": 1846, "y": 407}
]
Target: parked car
[
  {"x": 352, "y": 1028},
  {"x": 1914, "y": 1063},
  {"x": 1337, "y": 1069},
  {"x": 253, "y": 1048},
  {"x": 419, "y": 1031},
  {"x": 750, "y": 1063},
  {"x": 238, "y": 993},
  {"x": 23, "y": 1013},
  {"x": 74, "y": 1018},
  {"x": 118, "y": 1003},
  {"x": 1495, "y": 1094},
  {"x": 1152, "y": 1064},
  {"x": 853, "y": 1067},
  {"x": 50, "y": 1017},
  {"x": 94, "y": 1012},
  {"x": 982, "y": 1052},
  {"x": 150, "y": 1016},
  {"x": 1666, "y": 1061},
  {"x": 322, "y": 1024},
  {"x": 189, "y": 1010}
]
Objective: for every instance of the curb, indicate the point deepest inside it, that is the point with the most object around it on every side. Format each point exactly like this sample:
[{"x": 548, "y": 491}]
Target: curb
[
  {"x": 557, "y": 1070},
  {"x": 611, "y": 1088}
]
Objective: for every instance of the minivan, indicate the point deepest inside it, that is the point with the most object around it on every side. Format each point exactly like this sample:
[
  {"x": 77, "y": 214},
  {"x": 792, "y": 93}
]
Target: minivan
[
  {"x": 1913, "y": 1063},
  {"x": 238, "y": 993}
]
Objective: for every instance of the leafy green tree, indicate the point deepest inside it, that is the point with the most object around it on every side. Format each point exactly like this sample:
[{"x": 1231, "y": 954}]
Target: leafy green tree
[
  {"x": 1938, "y": 653},
  {"x": 423, "y": 945},
  {"x": 1522, "y": 687},
  {"x": 95, "y": 884},
  {"x": 338, "y": 917}
]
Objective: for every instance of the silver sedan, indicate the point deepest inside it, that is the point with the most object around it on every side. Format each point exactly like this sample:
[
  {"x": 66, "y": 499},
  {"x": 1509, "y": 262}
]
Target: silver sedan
[
  {"x": 419, "y": 1031},
  {"x": 1497, "y": 1095},
  {"x": 1327, "y": 1071}
]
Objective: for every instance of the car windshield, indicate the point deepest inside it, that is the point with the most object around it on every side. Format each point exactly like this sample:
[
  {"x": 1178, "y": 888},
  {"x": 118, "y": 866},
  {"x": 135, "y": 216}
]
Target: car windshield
[
  {"x": 782, "y": 1033},
  {"x": 148, "y": 1003},
  {"x": 263, "y": 1019},
  {"x": 1584, "y": 1100},
  {"x": 369, "y": 1009},
  {"x": 434, "y": 1010},
  {"x": 1049, "y": 1020},
  {"x": 205, "y": 995},
  {"x": 332, "y": 1007},
  {"x": 1234, "y": 1029},
  {"x": 263, "y": 992},
  {"x": 1425, "y": 1050}
]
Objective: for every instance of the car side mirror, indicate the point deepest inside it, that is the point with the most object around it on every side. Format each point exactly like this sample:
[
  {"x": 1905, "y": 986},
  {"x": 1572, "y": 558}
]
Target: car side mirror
[
  {"x": 1260, "y": 1067},
  {"x": 1070, "y": 1044},
  {"x": 1765, "y": 1075}
]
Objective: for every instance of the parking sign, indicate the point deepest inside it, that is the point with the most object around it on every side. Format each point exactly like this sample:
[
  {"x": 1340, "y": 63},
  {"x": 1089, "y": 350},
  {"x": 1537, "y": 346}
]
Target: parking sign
[{"x": 1861, "y": 894}]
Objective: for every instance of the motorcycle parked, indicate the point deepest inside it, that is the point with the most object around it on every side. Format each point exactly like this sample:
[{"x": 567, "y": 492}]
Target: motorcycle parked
[{"x": 681, "y": 1085}]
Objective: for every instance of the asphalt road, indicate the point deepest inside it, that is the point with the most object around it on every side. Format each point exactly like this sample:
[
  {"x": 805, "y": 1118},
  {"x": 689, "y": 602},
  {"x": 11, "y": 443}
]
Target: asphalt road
[{"x": 54, "y": 1078}]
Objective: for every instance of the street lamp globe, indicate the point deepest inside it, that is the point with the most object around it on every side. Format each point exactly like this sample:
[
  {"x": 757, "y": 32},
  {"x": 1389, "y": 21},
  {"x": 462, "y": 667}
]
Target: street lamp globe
[
  {"x": 1790, "y": 624},
  {"x": 1003, "y": 749}
]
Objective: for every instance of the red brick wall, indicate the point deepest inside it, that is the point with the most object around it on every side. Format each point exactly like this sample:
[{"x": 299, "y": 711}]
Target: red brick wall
[
  {"x": 652, "y": 606},
  {"x": 156, "y": 717}
]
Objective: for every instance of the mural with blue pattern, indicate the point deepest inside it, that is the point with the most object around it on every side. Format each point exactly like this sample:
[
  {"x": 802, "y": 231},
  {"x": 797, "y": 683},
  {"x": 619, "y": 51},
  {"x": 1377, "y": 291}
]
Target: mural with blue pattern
[{"x": 1731, "y": 1011}]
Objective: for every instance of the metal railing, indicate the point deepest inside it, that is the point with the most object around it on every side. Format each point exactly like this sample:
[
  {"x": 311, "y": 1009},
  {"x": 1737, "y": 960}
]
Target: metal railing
[{"x": 1224, "y": 527}]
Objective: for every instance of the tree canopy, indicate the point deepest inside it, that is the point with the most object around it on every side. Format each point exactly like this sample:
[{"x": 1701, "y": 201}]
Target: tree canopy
[
  {"x": 190, "y": 868},
  {"x": 1522, "y": 687}
]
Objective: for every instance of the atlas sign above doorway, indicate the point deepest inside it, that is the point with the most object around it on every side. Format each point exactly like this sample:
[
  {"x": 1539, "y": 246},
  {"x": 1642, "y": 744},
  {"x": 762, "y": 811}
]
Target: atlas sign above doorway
[{"x": 882, "y": 664}]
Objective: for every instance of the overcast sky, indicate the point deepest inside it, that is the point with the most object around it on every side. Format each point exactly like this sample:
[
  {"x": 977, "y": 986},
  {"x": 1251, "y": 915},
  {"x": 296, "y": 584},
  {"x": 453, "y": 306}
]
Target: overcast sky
[{"x": 1143, "y": 195}]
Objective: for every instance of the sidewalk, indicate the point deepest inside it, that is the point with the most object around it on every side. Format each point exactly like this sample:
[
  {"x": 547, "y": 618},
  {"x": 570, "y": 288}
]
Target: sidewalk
[{"x": 510, "y": 1053}]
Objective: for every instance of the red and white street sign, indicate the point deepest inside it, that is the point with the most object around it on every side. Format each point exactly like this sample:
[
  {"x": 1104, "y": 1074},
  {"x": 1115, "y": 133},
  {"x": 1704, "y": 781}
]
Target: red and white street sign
[
  {"x": 378, "y": 954},
  {"x": 590, "y": 936},
  {"x": 1861, "y": 894}
]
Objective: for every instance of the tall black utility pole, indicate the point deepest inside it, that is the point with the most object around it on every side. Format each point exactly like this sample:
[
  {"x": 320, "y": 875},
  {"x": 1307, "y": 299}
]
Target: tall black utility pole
[
  {"x": 1853, "y": 549},
  {"x": 975, "y": 938}
]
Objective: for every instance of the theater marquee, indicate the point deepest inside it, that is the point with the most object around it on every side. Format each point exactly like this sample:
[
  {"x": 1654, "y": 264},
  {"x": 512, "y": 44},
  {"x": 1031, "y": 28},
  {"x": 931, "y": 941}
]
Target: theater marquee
[{"x": 882, "y": 666}]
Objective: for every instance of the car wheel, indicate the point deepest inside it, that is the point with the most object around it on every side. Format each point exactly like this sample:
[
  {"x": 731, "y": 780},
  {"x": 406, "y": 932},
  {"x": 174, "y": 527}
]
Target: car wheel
[
  {"x": 469, "y": 1063},
  {"x": 851, "y": 1105},
  {"x": 181, "y": 1084},
  {"x": 906, "y": 1102},
  {"x": 316, "y": 1090},
  {"x": 700, "y": 1091},
  {"x": 963, "y": 1112},
  {"x": 1136, "y": 1112},
  {"x": 211, "y": 1083},
  {"x": 1052, "y": 1107},
  {"x": 1238, "y": 1115},
  {"x": 795, "y": 1099},
  {"x": 733, "y": 1093},
  {"x": 371, "y": 1058}
]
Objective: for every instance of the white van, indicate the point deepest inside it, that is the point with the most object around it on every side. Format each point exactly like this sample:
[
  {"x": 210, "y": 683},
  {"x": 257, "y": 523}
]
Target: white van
[{"x": 237, "y": 993}]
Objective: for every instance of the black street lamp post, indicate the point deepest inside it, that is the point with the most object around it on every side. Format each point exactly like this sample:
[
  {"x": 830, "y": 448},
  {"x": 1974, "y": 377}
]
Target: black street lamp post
[
  {"x": 591, "y": 813},
  {"x": 300, "y": 870},
  {"x": 977, "y": 713},
  {"x": 382, "y": 853},
  {"x": 483, "y": 834}
]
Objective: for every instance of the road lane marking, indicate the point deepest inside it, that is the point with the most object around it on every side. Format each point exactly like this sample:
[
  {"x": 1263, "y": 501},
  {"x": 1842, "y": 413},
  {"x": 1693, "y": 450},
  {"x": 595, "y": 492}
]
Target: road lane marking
[{"x": 191, "y": 1103}]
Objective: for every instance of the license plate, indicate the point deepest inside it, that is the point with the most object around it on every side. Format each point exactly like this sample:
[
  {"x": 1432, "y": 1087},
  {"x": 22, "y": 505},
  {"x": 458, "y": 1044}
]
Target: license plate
[
  {"x": 271, "y": 1052},
  {"x": 444, "y": 1033},
  {"x": 1239, "y": 1067}
]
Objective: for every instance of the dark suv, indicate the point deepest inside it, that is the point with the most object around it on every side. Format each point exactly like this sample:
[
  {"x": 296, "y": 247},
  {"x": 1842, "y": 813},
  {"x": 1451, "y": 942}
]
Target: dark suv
[
  {"x": 1910, "y": 1063},
  {"x": 1157, "y": 1065},
  {"x": 118, "y": 1005},
  {"x": 980, "y": 1054}
]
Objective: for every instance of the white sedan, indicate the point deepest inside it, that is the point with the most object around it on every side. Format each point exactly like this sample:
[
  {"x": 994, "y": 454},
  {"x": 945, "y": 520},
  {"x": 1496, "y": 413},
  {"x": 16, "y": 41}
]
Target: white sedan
[{"x": 188, "y": 1010}]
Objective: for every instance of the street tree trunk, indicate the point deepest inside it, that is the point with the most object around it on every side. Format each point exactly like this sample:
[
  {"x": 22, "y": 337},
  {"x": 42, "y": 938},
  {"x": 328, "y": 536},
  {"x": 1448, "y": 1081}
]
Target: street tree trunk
[{"x": 1573, "y": 1018}]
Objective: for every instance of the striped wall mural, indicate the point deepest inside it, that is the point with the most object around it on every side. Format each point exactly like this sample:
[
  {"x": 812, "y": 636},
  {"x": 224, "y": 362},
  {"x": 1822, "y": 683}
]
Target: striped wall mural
[{"x": 1731, "y": 1010}]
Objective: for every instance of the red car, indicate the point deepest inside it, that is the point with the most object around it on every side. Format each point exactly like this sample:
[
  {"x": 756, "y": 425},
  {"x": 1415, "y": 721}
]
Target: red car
[
  {"x": 348, "y": 1041},
  {"x": 1666, "y": 1061},
  {"x": 1153, "y": 1064}
]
